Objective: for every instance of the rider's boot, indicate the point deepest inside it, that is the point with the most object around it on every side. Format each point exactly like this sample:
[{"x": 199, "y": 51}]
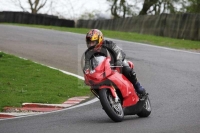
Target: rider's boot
[
  {"x": 131, "y": 75},
  {"x": 138, "y": 87}
]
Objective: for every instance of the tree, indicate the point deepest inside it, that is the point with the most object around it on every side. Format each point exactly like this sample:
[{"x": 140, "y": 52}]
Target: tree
[
  {"x": 121, "y": 8},
  {"x": 165, "y": 6},
  {"x": 146, "y": 6},
  {"x": 34, "y": 5},
  {"x": 159, "y": 6},
  {"x": 193, "y": 7}
]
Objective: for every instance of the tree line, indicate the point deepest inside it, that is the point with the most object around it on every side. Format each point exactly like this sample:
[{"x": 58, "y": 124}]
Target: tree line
[
  {"x": 124, "y": 8},
  {"x": 127, "y": 8}
]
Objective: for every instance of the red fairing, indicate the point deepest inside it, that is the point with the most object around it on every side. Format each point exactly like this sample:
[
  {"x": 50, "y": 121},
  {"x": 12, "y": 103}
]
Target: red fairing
[
  {"x": 100, "y": 74},
  {"x": 126, "y": 88},
  {"x": 103, "y": 72}
]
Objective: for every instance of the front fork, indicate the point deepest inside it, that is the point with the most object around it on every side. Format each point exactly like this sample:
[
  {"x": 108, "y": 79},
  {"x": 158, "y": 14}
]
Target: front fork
[
  {"x": 111, "y": 88},
  {"x": 94, "y": 92}
]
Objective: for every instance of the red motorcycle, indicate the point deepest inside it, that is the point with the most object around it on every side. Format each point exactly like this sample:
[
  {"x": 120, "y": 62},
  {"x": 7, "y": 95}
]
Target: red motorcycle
[{"x": 115, "y": 92}]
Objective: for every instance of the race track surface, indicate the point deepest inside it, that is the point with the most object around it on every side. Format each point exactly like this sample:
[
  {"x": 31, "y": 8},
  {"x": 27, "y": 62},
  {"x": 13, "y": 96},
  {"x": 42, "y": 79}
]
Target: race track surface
[{"x": 172, "y": 78}]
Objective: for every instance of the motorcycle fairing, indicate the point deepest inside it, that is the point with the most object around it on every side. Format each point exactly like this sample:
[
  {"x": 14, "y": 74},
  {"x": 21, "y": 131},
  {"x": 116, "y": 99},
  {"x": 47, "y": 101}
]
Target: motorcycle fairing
[
  {"x": 126, "y": 88},
  {"x": 100, "y": 73},
  {"x": 103, "y": 72}
]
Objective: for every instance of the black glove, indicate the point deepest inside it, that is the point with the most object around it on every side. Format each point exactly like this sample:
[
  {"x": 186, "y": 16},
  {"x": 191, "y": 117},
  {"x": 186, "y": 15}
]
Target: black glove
[{"x": 86, "y": 70}]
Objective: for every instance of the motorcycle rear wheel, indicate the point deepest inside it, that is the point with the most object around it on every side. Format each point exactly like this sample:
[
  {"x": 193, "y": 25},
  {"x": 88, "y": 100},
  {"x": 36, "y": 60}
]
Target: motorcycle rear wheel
[
  {"x": 113, "y": 109},
  {"x": 146, "y": 110}
]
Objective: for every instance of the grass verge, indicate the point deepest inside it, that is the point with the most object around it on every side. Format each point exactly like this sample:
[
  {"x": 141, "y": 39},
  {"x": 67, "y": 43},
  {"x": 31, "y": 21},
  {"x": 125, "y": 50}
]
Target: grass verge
[{"x": 25, "y": 81}]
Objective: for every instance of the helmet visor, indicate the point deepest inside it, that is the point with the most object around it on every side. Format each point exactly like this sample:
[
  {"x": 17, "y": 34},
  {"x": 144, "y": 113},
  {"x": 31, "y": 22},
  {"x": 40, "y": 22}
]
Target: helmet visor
[{"x": 91, "y": 43}]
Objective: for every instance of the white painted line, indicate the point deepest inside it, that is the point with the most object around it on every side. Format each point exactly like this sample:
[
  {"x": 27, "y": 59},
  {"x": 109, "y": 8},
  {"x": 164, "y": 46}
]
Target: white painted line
[{"x": 144, "y": 44}]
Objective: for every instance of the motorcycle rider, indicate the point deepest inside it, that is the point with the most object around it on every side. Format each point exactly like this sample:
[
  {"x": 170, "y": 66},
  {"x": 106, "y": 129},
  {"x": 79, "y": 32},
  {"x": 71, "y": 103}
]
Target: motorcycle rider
[{"x": 96, "y": 44}]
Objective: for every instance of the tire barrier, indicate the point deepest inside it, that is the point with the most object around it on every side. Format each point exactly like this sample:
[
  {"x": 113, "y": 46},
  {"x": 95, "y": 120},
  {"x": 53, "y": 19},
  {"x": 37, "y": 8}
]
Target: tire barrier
[{"x": 38, "y": 19}]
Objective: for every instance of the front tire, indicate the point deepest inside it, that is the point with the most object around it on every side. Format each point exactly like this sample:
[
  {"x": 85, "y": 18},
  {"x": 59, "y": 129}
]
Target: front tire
[{"x": 113, "y": 109}]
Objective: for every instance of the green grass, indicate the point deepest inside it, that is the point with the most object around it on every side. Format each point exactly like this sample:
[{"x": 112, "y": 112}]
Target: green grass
[
  {"x": 25, "y": 81},
  {"x": 130, "y": 36}
]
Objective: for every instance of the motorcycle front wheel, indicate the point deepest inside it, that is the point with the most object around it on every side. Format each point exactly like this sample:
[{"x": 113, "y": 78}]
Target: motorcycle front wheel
[{"x": 112, "y": 108}]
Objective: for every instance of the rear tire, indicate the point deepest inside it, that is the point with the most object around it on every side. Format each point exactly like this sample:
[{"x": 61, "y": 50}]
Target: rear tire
[
  {"x": 146, "y": 110},
  {"x": 113, "y": 109}
]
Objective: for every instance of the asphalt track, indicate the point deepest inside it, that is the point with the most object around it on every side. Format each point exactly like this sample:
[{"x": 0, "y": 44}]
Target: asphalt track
[{"x": 172, "y": 77}]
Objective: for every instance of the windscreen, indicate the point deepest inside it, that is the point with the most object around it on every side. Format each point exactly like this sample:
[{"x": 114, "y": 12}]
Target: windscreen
[{"x": 96, "y": 60}]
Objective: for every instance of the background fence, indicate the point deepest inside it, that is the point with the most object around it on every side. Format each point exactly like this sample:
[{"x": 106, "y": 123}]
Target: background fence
[
  {"x": 181, "y": 26},
  {"x": 40, "y": 19}
]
